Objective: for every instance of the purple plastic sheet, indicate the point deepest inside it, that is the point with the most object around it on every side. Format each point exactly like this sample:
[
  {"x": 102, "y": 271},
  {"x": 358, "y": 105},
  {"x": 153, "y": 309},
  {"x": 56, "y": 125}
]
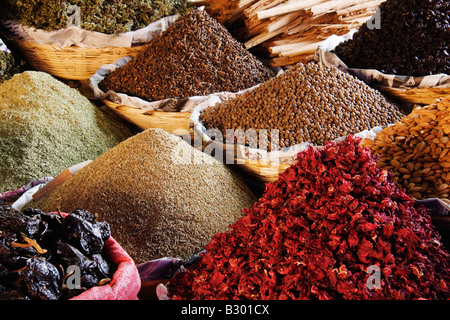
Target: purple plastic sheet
[
  {"x": 164, "y": 268},
  {"x": 436, "y": 205},
  {"x": 14, "y": 194}
]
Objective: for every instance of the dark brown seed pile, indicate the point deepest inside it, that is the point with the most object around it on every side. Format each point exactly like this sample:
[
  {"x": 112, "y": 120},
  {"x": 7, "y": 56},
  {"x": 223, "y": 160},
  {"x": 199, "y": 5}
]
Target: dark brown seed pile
[
  {"x": 309, "y": 103},
  {"x": 412, "y": 39},
  {"x": 194, "y": 56}
]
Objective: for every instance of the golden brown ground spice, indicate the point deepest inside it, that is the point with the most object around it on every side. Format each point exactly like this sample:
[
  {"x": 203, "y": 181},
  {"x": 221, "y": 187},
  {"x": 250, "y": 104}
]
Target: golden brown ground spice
[{"x": 156, "y": 201}]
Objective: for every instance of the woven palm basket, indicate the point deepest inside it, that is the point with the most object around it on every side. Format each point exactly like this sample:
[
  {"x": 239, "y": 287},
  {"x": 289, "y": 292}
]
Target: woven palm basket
[
  {"x": 74, "y": 63},
  {"x": 260, "y": 171},
  {"x": 145, "y": 119},
  {"x": 423, "y": 96}
]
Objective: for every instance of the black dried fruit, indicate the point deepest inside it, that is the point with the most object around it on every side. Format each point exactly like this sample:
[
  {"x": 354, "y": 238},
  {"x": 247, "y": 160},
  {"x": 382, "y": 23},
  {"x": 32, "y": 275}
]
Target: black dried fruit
[
  {"x": 412, "y": 40},
  {"x": 85, "y": 235},
  {"x": 38, "y": 269},
  {"x": 68, "y": 255},
  {"x": 41, "y": 279},
  {"x": 13, "y": 221}
]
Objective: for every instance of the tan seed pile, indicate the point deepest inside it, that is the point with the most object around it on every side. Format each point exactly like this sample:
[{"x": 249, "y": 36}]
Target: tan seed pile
[
  {"x": 309, "y": 103},
  {"x": 417, "y": 150},
  {"x": 160, "y": 196}
]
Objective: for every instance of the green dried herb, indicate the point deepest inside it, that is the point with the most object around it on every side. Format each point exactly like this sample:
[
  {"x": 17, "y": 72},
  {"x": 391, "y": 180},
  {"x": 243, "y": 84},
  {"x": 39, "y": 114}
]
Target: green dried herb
[
  {"x": 106, "y": 16},
  {"x": 46, "y": 127},
  {"x": 9, "y": 66}
]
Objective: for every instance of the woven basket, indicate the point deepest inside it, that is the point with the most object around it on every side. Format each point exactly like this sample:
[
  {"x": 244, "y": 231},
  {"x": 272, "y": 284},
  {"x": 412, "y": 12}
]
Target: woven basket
[
  {"x": 145, "y": 119},
  {"x": 424, "y": 96},
  {"x": 74, "y": 63},
  {"x": 262, "y": 172}
]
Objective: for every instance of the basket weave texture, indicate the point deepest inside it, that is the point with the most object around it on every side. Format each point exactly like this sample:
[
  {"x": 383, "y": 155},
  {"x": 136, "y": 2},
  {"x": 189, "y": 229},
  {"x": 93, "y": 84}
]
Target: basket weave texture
[{"x": 73, "y": 63}]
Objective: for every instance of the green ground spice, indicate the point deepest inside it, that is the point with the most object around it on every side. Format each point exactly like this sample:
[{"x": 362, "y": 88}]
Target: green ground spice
[
  {"x": 157, "y": 202},
  {"x": 46, "y": 127},
  {"x": 106, "y": 16}
]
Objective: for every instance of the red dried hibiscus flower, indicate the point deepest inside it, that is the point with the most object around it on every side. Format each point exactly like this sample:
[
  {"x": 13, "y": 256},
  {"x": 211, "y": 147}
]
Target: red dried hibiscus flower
[{"x": 315, "y": 233}]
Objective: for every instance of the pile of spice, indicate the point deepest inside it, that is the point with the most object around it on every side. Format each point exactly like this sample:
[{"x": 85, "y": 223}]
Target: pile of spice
[
  {"x": 416, "y": 150},
  {"x": 106, "y": 16},
  {"x": 9, "y": 65},
  {"x": 333, "y": 226},
  {"x": 37, "y": 248},
  {"x": 309, "y": 103},
  {"x": 195, "y": 56},
  {"x": 412, "y": 39},
  {"x": 161, "y": 196},
  {"x": 47, "y": 127}
]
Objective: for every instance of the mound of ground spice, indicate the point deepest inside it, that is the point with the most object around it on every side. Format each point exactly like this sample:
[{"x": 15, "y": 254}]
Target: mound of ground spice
[
  {"x": 194, "y": 56},
  {"x": 333, "y": 226},
  {"x": 160, "y": 196},
  {"x": 47, "y": 127}
]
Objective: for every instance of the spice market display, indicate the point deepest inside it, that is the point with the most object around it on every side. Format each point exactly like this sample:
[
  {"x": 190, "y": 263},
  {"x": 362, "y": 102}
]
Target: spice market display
[{"x": 95, "y": 207}]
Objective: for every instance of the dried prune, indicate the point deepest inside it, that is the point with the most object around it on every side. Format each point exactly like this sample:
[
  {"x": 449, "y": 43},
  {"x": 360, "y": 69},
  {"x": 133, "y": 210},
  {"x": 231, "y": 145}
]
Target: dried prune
[
  {"x": 83, "y": 214},
  {"x": 68, "y": 255},
  {"x": 51, "y": 228},
  {"x": 6, "y": 239},
  {"x": 41, "y": 278},
  {"x": 13, "y": 221},
  {"x": 104, "y": 267},
  {"x": 34, "y": 255},
  {"x": 3, "y": 271},
  {"x": 92, "y": 269},
  {"x": 83, "y": 234}
]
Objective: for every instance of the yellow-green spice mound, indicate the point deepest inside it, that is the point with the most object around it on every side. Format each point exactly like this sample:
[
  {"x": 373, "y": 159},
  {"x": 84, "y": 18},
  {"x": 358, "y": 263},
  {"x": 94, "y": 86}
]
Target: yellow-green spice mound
[{"x": 46, "y": 127}]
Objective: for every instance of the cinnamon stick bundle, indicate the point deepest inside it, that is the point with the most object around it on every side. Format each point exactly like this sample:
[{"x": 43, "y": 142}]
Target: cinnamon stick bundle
[{"x": 289, "y": 31}]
